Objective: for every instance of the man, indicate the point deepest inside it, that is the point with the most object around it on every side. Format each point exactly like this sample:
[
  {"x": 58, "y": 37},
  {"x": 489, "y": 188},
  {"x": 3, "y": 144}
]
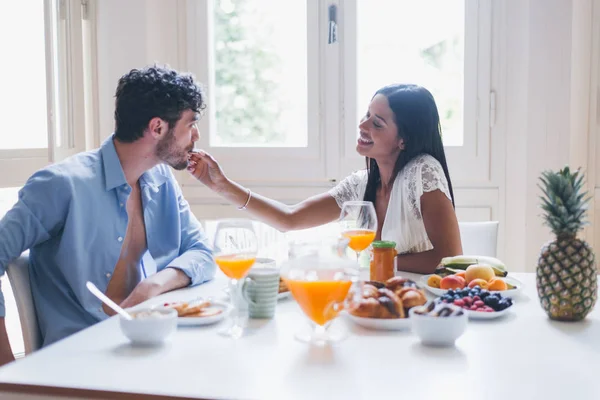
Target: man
[{"x": 114, "y": 215}]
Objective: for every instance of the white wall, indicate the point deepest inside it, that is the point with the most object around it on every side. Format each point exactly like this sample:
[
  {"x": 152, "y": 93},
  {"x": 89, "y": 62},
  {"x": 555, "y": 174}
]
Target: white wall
[
  {"x": 543, "y": 72},
  {"x": 545, "y": 67}
]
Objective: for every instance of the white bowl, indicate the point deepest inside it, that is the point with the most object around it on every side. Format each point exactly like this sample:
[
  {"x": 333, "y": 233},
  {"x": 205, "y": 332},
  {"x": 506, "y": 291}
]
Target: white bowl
[
  {"x": 438, "y": 331},
  {"x": 149, "y": 330}
]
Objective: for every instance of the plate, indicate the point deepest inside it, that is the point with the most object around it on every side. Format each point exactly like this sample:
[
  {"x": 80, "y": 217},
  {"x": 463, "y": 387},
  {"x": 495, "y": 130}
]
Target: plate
[
  {"x": 198, "y": 321},
  {"x": 488, "y": 315},
  {"x": 380, "y": 324},
  {"x": 505, "y": 293}
]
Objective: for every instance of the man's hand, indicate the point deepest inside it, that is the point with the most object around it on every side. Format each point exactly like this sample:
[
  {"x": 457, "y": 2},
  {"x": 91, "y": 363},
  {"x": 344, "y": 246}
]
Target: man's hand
[
  {"x": 144, "y": 290},
  {"x": 166, "y": 280}
]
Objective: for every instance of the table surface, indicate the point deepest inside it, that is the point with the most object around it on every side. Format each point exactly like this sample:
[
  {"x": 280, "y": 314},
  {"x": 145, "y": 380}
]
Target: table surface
[{"x": 523, "y": 355}]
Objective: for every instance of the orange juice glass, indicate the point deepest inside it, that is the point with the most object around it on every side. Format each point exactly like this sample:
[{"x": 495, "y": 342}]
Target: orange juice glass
[
  {"x": 322, "y": 280},
  {"x": 358, "y": 221},
  {"x": 235, "y": 266},
  {"x": 235, "y": 247},
  {"x": 360, "y": 239}
]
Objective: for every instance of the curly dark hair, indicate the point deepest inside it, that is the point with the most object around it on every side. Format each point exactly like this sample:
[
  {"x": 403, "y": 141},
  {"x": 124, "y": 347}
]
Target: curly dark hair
[{"x": 143, "y": 94}]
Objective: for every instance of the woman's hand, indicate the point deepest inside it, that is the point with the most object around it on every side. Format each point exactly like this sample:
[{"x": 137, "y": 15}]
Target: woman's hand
[{"x": 207, "y": 170}]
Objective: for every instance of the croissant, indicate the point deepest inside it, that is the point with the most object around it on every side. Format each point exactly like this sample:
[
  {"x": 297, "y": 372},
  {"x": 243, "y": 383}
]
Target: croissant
[
  {"x": 366, "y": 308},
  {"x": 391, "y": 303},
  {"x": 369, "y": 291},
  {"x": 413, "y": 298},
  {"x": 397, "y": 283},
  {"x": 384, "y": 304}
]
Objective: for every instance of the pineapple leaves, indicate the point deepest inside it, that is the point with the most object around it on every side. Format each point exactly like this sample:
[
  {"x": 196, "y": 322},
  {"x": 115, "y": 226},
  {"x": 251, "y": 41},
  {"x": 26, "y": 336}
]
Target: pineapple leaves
[{"x": 563, "y": 201}]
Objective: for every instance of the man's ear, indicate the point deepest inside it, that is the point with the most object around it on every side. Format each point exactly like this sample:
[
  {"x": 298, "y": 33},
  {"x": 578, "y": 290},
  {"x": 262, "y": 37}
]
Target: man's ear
[{"x": 157, "y": 127}]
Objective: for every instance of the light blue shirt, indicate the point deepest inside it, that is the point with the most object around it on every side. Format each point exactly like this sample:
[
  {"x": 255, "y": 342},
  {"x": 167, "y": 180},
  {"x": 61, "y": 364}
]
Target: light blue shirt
[{"x": 72, "y": 217}]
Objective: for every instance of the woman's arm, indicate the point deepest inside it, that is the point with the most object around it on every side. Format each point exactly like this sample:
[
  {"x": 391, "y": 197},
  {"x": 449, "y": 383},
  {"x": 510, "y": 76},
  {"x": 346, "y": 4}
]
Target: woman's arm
[
  {"x": 441, "y": 225},
  {"x": 314, "y": 211}
]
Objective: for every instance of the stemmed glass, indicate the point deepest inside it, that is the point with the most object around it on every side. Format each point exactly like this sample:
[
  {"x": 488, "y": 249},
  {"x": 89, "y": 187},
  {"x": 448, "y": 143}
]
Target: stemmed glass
[
  {"x": 320, "y": 277},
  {"x": 235, "y": 247},
  {"x": 358, "y": 222}
]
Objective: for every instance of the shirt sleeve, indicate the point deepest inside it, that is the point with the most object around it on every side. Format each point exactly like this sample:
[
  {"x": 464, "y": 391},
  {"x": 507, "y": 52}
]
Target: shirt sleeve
[
  {"x": 195, "y": 258},
  {"x": 38, "y": 214},
  {"x": 431, "y": 177},
  {"x": 351, "y": 188}
]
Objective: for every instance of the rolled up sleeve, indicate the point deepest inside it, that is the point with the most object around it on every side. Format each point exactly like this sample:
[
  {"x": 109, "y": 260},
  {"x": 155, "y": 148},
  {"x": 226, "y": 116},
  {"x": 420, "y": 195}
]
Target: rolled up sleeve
[{"x": 196, "y": 258}]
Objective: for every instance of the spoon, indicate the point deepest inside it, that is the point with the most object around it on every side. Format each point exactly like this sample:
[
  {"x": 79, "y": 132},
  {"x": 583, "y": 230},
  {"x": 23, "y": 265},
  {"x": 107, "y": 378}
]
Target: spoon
[{"x": 96, "y": 292}]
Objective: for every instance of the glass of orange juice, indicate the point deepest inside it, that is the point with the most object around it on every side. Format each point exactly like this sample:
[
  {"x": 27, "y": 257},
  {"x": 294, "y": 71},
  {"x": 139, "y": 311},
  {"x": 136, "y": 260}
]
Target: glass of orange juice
[
  {"x": 358, "y": 222},
  {"x": 321, "y": 279},
  {"x": 235, "y": 247}
]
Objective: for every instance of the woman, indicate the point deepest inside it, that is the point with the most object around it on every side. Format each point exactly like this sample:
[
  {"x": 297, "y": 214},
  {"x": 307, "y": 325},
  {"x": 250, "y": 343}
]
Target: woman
[{"x": 406, "y": 178}]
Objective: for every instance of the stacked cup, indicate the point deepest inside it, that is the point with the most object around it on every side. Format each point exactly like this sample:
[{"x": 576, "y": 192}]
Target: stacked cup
[{"x": 262, "y": 288}]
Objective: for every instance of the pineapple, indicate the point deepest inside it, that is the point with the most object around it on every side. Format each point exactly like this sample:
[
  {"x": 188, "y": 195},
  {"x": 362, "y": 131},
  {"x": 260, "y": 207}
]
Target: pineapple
[{"x": 566, "y": 276}]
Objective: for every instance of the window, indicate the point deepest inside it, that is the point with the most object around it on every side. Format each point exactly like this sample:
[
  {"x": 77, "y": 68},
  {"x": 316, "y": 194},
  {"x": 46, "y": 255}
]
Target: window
[
  {"x": 260, "y": 64},
  {"x": 284, "y": 91},
  {"x": 425, "y": 47},
  {"x": 44, "y": 119},
  {"x": 260, "y": 58},
  {"x": 447, "y": 51}
]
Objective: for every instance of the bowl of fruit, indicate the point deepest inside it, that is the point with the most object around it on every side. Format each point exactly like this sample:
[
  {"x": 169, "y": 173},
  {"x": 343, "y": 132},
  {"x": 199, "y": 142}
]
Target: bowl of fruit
[
  {"x": 479, "y": 303},
  {"x": 438, "y": 324},
  {"x": 462, "y": 272}
]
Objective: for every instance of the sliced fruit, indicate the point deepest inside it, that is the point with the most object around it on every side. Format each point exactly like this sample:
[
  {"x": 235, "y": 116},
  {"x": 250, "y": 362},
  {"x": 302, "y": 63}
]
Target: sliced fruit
[
  {"x": 434, "y": 281},
  {"x": 497, "y": 284},
  {"x": 462, "y": 274},
  {"x": 483, "y": 284},
  {"x": 452, "y": 282}
]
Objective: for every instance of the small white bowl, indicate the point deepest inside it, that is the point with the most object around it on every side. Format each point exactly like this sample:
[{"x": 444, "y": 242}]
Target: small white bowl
[
  {"x": 150, "y": 330},
  {"x": 438, "y": 331}
]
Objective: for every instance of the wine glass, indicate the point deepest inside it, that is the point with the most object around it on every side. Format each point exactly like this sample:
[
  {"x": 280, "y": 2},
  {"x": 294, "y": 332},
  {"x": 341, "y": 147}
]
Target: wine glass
[
  {"x": 320, "y": 276},
  {"x": 358, "y": 222},
  {"x": 235, "y": 248}
]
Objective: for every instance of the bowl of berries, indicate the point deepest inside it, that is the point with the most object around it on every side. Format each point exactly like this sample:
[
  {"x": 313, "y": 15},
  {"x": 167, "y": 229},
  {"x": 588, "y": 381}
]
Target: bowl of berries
[{"x": 479, "y": 303}]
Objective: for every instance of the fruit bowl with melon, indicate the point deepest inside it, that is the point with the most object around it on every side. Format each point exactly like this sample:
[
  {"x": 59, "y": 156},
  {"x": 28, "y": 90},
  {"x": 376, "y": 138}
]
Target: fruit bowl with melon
[{"x": 468, "y": 272}]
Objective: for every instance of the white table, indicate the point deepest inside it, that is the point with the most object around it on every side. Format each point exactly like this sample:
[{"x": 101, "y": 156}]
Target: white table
[{"x": 522, "y": 356}]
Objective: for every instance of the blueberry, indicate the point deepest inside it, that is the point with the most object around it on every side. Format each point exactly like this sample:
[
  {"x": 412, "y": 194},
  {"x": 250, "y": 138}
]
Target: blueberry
[
  {"x": 457, "y": 297},
  {"x": 465, "y": 291},
  {"x": 491, "y": 301},
  {"x": 450, "y": 292},
  {"x": 477, "y": 288}
]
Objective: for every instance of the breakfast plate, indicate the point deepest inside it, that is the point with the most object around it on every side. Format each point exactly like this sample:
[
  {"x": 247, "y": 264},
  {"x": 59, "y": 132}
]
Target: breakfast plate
[
  {"x": 518, "y": 287},
  {"x": 209, "y": 311},
  {"x": 390, "y": 324}
]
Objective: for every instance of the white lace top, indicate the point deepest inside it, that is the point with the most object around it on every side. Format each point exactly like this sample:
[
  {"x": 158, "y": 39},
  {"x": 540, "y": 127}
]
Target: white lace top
[{"x": 403, "y": 221}]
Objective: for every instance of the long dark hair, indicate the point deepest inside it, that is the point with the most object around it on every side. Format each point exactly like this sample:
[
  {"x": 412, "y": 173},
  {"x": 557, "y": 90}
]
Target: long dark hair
[{"x": 418, "y": 122}]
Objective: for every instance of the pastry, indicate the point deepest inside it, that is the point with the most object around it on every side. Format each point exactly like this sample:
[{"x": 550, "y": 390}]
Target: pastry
[
  {"x": 413, "y": 298},
  {"x": 382, "y": 303},
  {"x": 282, "y": 286},
  {"x": 369, "y": 291},
  {"x": 397, "y": 283}
]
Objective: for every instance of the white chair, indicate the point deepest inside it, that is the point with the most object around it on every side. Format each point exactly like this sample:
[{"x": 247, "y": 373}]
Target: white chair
[
  {"x": 479, "y": 238},
  {"x": 18, "y": 276}
]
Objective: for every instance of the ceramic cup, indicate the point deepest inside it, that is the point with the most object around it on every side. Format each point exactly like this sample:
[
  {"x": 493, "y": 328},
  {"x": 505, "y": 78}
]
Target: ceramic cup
[{"x": 262, "y": 288}]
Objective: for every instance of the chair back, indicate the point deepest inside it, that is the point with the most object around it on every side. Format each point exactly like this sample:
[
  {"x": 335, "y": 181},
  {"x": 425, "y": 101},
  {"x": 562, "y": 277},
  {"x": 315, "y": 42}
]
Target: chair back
[
  {"x": 479, "y": 238},
  {"x": 18, "y": 276}
]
